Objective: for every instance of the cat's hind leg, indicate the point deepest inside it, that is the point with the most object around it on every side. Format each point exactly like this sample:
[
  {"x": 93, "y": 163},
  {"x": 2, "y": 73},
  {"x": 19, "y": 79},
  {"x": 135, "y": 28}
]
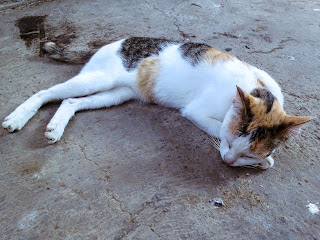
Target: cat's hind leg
[
  {"x": 85, "y": 83},
  {"x": 70, "y": 106}
]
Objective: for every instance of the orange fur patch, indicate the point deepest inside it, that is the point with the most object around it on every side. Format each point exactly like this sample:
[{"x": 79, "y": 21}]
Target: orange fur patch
[
  {"x": 260, "y": 147},
  {"x": 214, "y": 56},
  {"x": 275, "y": 117},
  {"x": 260, "y": 119},
  {"x": 147, "y": 75},
  {"x": 260, "y": 83},
  {"x": 234, "y": 126},
  {"x": 246, "y": 64}
]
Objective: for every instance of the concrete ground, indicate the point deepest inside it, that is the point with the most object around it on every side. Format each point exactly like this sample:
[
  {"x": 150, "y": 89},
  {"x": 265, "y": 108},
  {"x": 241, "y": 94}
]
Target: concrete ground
[{"x": 141, "y": 171}]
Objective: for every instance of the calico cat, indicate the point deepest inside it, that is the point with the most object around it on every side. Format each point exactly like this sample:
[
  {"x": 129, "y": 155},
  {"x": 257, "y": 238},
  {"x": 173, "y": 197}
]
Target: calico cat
[{"x": 223, "y": 96}]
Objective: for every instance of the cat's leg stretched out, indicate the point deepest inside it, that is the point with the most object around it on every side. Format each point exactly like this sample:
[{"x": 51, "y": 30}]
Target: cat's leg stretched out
[
  {"x": 206, "y": 123},
  {"x": 85, "y": 83},
  {"x": 70, "y": 106},
  {"x": 198, "y": 115}
]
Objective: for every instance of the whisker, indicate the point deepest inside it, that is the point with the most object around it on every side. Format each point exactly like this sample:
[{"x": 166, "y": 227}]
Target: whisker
[{"x": 215, "y": 142}]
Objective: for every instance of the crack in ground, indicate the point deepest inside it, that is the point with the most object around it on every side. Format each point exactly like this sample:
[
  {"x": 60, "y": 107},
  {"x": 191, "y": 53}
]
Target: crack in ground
[
  {"x": 306, "y": 96},
  {"x": 182, "y": 33},
  {"x": 151, "y": 228},
  {"x": 133, "y": 224},
  {"x": 104, "y": 171},
  {"x": 270, "y": 51},
  {"x": 131, "y": 227},
  {"x": 121, "y": 207},
  {"x": 83, "y": 150},
  {"x": 281, "y": 45},
  {"x": 175, "y": 21}
]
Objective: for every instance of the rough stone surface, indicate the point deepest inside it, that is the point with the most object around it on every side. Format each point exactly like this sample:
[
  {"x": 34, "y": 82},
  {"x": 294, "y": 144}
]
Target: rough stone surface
[{"x": 143, "y": 172}]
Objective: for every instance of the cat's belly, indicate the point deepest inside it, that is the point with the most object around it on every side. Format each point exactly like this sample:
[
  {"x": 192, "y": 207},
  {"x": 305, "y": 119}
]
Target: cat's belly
[{"x": 208, "y": 99}]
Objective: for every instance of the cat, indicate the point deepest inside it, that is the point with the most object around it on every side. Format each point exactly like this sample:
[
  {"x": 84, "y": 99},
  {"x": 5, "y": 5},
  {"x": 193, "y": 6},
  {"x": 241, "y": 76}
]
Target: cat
[{"x": 223, "y": 96}]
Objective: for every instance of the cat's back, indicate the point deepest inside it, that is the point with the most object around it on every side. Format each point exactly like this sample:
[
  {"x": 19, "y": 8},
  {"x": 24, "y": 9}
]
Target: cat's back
[
  {"x": 173, "y": 73},
  {"x": 190, "y": 71}
]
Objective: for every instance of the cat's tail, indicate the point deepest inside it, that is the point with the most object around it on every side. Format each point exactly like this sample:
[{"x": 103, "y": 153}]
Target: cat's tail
[{"x": 60, "y": 54}]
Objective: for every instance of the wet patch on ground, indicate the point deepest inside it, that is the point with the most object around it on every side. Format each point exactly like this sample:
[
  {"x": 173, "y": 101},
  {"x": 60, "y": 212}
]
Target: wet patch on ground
[
  {"x": 32, "y": 28},
  {"x": 30, "y": 167}
]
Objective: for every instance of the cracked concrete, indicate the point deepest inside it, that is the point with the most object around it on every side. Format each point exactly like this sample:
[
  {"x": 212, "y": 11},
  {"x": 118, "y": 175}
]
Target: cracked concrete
[{"x": 138, "y": 171}]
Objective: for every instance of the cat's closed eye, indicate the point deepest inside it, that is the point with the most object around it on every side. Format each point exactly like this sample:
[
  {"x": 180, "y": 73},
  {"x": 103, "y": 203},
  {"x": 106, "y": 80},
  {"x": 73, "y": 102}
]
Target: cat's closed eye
[{"x": 246, "y": 156}]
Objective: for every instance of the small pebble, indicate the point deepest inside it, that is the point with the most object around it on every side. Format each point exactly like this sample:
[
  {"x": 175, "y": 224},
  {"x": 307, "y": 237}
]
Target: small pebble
[{"x": 218, "y": 202}]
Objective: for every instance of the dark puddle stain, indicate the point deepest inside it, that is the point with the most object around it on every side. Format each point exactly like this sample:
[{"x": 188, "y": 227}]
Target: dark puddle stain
[
  {"x": 29, "y": 168},
  {"x": 31, "y": 28}
]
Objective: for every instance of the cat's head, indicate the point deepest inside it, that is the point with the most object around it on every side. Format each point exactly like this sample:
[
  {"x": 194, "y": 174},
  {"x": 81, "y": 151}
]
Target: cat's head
[{"x": 254, "y": 127}]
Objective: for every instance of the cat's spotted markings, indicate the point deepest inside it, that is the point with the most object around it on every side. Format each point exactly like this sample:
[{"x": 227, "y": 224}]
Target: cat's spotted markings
[{"x": 147, "y": 75}]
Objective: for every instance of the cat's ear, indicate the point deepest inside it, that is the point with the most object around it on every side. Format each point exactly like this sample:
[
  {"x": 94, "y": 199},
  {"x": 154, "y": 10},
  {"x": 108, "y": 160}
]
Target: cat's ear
[
  {"x": 293, "y": 124},
  {"x": 242, "y": 100}
]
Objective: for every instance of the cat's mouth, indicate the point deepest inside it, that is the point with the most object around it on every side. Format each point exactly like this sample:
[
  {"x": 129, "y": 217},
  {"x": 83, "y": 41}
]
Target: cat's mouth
[
  {"x": 263, "y": 164},
  {"x": 267, "y": 163}
]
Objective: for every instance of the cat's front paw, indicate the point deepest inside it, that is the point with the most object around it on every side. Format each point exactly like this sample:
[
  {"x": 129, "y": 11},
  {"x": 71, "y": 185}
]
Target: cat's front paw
[
  {"x": 54, "y": 132},
  {"x": 15, "y": 121},
  {"x": 267, "y": 163}
]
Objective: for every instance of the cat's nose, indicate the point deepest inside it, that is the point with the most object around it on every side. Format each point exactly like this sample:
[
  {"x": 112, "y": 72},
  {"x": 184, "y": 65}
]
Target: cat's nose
[{"x": 229, "y": 159}]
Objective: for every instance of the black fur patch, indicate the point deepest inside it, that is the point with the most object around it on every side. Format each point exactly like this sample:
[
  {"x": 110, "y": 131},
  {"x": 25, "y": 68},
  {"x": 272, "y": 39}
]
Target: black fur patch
[
  {"x": 134, "y": 50},
  {"x": 265, "y": 95},
  {"x": 273, "y": 132},
  {"x": 259, "y": 134},
  {"x": 193, "y": 52},
  {"x": 247, "y": 117}
]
